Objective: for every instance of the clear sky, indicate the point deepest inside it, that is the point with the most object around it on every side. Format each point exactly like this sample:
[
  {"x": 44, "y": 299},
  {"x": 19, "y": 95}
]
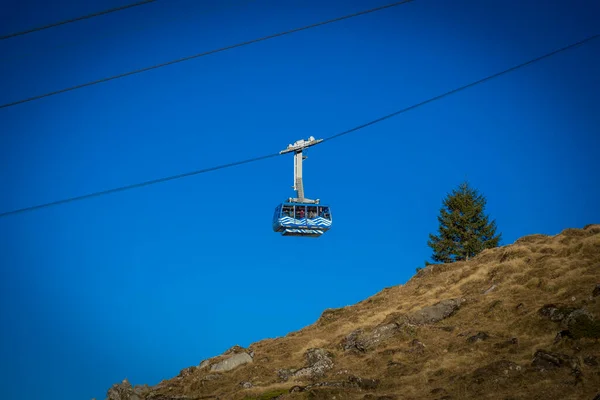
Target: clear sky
[{"x": 142, "y": 283}]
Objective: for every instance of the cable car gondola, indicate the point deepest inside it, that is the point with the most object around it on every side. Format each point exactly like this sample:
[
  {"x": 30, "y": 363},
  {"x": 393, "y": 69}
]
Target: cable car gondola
[
  {"x": 300, "y": 219},
  {"x": 301, "y": 216}
]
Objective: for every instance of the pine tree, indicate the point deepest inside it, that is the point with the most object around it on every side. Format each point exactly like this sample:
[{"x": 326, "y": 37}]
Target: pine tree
[{"x": 464, "y": 229}]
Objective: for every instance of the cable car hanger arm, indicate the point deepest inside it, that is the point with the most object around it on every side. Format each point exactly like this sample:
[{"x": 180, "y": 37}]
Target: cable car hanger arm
[
  {"x": 297, "y": 148},
  {"x": 301, "y": 144}
]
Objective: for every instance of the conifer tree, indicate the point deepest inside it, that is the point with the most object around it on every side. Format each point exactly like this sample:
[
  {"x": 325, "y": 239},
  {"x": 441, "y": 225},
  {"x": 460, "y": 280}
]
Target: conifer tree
[{"x": 464, "y": 229}]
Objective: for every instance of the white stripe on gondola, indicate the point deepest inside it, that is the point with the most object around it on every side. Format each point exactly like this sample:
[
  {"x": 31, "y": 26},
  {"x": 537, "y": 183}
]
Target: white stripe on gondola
[
  {"x": 294, "y": 230},
  {"x": 304, "y": 221}
]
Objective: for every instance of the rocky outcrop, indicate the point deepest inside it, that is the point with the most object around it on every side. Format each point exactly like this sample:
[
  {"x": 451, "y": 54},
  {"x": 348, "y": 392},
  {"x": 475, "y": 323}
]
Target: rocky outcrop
[
  {"x": 556, "y": 313},
  {"x": 359, "y": 340},
  {"x": 436, "y": 312},
  {"x": 319, "y": 361},
  {"x": 545, "y": 360},
  {"x": 581, "y": 324},
  {"x": 353, "y": 341},
  {"x": 187, "y": 372},
  {"x": 232, "y": 362},
  {"x": 121, "y": 391},
  {"x": 285, "y": 373},
  {"x": 124, "y": 391},
  {"x": 576, "y": 323}
]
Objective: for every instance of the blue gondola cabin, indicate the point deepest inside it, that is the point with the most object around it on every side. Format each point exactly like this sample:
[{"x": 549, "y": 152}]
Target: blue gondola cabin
[{"x": 301, "y": 219}]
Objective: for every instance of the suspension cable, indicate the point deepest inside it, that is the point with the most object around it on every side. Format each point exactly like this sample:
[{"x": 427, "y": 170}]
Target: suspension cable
[
  {"x": 335, "y": 136},
  {"x": 68, "y": 21},
  {"x": 206, "y": 53}
]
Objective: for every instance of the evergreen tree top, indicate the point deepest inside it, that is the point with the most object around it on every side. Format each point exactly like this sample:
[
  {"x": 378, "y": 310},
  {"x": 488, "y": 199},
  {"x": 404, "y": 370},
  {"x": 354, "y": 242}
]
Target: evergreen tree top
[{"x": 464, "y": 229}]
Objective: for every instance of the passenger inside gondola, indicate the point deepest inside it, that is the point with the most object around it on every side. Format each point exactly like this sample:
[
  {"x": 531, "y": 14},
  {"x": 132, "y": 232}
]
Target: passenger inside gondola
[
  {"x": 324, "y": 212},
  {"x": 288, "y": 211}
]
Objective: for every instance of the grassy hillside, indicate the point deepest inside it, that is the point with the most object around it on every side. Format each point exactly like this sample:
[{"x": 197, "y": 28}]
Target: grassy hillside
[{"x": 516, "y": 322}]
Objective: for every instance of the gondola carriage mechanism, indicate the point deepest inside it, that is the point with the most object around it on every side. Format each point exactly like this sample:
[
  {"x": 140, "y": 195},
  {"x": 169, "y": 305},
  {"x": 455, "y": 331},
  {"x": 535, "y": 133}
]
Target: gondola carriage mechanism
[{"x": 300, "y": 216}]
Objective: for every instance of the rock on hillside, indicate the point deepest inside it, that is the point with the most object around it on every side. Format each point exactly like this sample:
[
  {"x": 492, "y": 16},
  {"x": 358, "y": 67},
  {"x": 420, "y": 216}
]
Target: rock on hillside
[{"x": 520, "y": 321}]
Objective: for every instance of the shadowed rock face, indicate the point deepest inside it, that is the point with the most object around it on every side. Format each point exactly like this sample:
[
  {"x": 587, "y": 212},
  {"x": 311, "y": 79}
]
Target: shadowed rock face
[
  {"x": 577, "y": 323},
  {"x": 556, "y": 313},
  {"x": 533, "y": 336},
  {"x": 546, "y": 360}
]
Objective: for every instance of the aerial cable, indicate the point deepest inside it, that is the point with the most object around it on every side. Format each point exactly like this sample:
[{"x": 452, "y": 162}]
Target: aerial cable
[
  {"x": 68, "y": 21},
  {"x": 206, "y": 53},
  {"x": 129, "y": 30},
  {"x": 432, "y": 99},
  {"x": 459, "y": 89},
  {"x": 137, "y": 185}
]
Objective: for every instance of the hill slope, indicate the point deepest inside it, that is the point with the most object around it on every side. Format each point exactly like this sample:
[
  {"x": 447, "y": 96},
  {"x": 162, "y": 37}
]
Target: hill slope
[{"x": 520, "y": 321}]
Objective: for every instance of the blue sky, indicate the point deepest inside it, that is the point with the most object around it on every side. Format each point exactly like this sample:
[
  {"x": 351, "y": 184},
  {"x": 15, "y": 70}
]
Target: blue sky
[{"x": 143, "y": 283}]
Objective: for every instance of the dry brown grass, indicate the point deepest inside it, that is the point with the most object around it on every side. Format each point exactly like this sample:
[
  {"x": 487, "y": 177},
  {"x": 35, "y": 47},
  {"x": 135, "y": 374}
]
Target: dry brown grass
[{"x": 502, "y": 289}]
